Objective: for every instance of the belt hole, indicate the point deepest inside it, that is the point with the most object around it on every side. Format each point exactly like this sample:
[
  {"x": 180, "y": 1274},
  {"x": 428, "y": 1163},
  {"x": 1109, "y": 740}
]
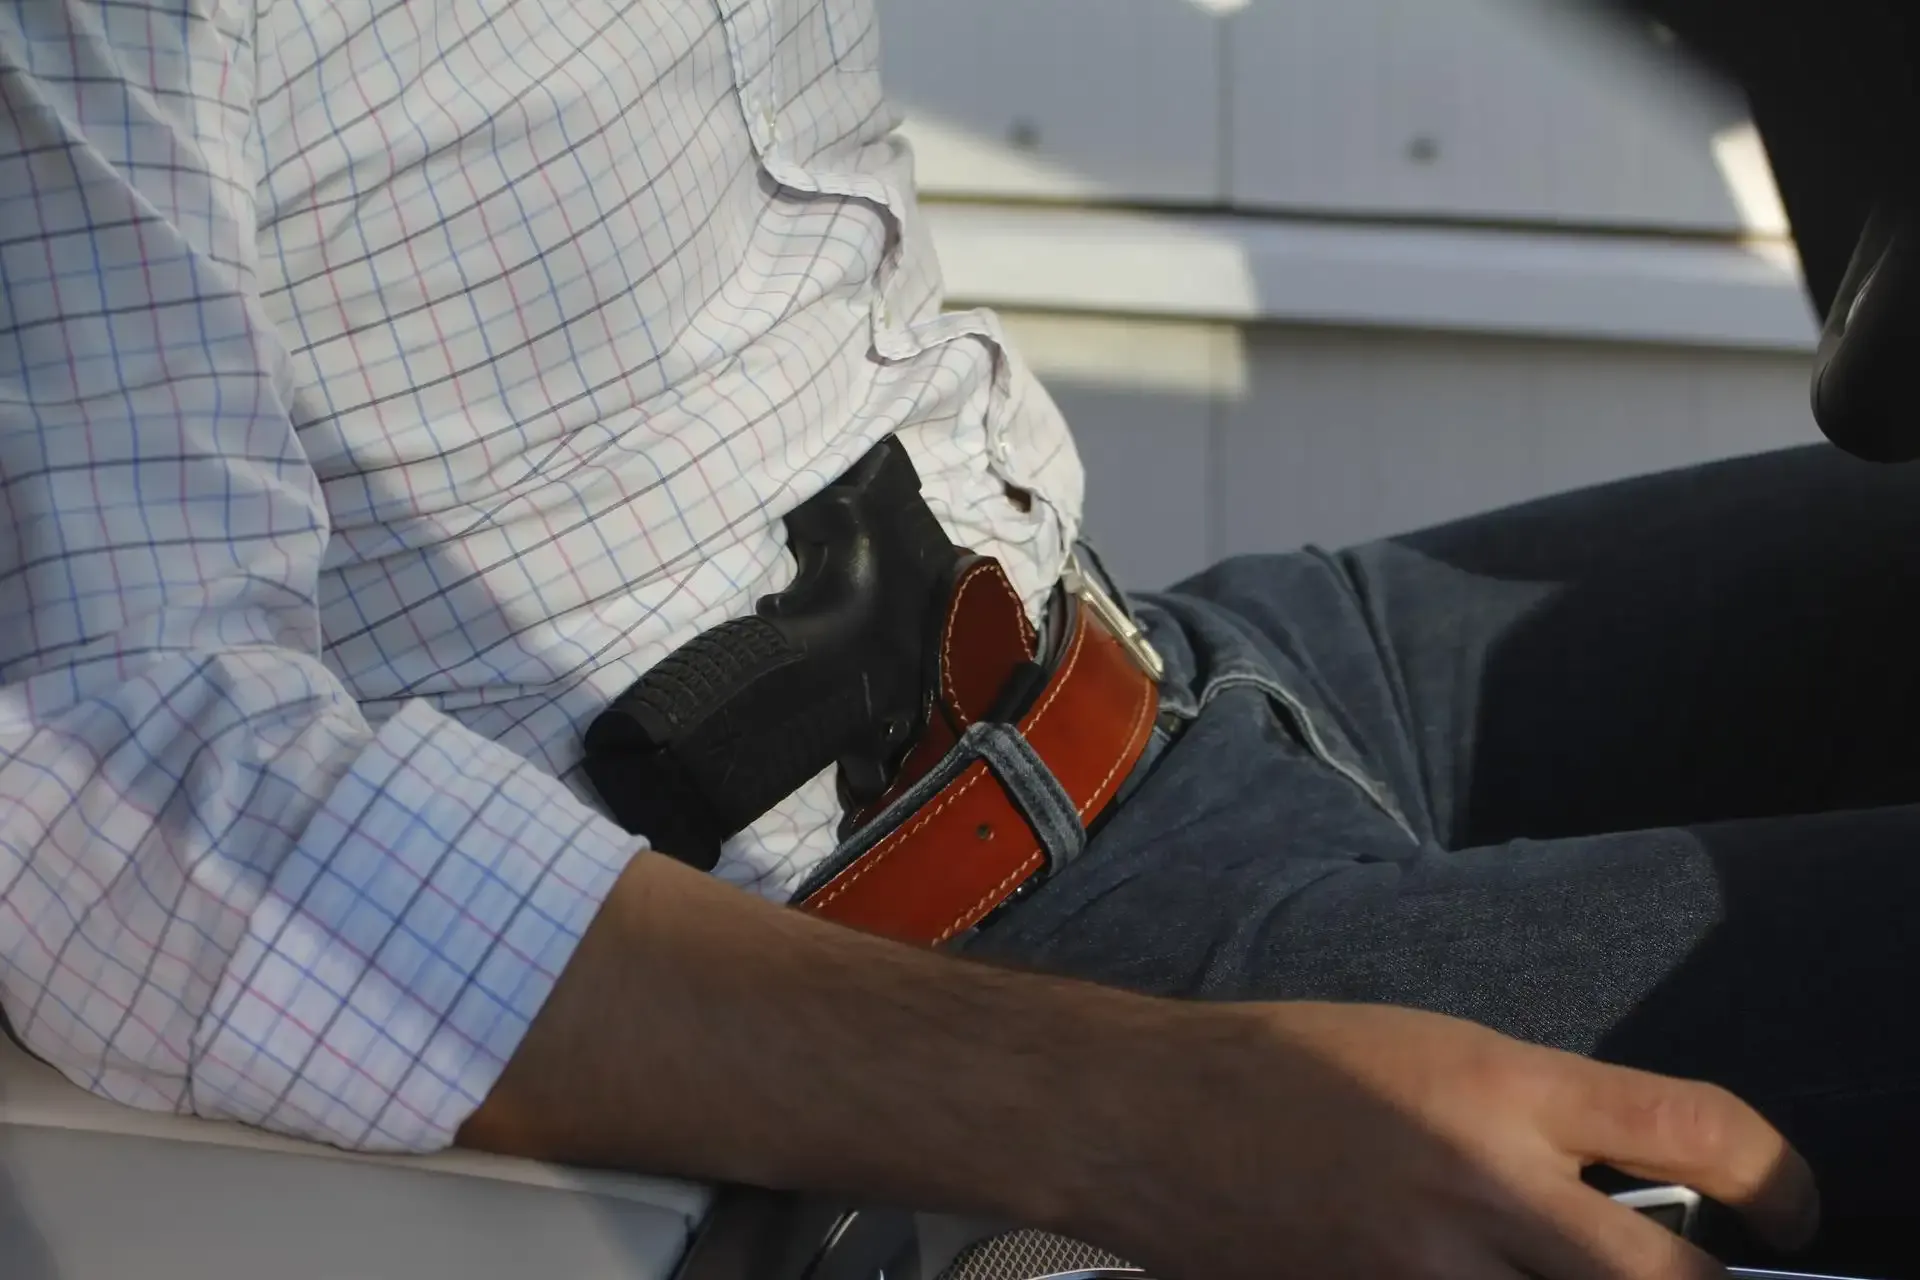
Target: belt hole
[{"x": 984, "y": 831}]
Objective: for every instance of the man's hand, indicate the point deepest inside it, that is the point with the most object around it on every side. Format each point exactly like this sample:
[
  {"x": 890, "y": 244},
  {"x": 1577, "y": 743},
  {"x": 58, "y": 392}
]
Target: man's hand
[
  {"x": 703, "y": 1033},
  {"x": 1375, "y": 1142}
]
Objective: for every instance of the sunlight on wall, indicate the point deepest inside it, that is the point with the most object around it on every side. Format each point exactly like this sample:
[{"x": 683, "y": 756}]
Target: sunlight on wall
[
  {"x": 1121, "y": 263},
  {"x": 1744, "y": 167},
  {"x": 1182, "y": 357},
  {"x": 943, "y": 148}
]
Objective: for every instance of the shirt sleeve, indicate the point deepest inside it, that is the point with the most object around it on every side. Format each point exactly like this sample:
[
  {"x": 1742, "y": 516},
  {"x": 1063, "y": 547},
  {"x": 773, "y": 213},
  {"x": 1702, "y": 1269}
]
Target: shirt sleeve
[{"x": 222, "y": 890}]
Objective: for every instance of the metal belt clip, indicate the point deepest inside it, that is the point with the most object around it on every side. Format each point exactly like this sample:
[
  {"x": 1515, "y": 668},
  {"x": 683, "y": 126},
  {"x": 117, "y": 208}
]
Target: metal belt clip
[{"x": 1086, "y": 586}]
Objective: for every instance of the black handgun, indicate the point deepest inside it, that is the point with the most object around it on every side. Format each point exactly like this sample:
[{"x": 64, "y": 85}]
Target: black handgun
[{"x": 838, "y": 668}]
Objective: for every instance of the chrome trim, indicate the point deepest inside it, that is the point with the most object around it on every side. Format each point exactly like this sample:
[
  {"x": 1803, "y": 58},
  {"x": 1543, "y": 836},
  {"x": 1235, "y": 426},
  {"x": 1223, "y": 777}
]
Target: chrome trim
[{"x": 1087, "y": 588}]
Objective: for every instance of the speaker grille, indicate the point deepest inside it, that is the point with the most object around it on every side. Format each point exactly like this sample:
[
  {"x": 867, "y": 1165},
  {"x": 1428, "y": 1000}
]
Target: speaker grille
[{"x": 1030, "y": 1255}]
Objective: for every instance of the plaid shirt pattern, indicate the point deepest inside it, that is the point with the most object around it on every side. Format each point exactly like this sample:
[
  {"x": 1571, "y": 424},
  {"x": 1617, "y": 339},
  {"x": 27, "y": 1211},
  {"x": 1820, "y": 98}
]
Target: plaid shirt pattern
[{"x": 384, "y": 385}]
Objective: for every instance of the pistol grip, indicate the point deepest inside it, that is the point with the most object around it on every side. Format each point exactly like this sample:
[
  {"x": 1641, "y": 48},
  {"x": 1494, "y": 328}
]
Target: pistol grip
[{"x": 716, "y": 734}]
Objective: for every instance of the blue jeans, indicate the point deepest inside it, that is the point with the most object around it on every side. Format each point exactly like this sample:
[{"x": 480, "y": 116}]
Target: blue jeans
[{"x": 1630, "y": 772}]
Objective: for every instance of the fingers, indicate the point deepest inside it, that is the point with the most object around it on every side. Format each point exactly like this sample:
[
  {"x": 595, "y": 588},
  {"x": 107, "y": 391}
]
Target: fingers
[
  {"x": 1697, "y": 1135},
  {"x": 1585, "y": 1236}
]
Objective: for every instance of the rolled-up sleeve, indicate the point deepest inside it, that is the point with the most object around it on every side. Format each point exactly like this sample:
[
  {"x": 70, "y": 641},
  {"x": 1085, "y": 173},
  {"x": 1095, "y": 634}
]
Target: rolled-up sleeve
[{"x": 222, "y": 890}]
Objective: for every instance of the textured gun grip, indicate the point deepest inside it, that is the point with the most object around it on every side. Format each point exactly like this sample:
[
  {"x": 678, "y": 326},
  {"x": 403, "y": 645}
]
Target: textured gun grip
[
  {"x": 716, "y": 734},
  {"x": 690, "y": 687}
]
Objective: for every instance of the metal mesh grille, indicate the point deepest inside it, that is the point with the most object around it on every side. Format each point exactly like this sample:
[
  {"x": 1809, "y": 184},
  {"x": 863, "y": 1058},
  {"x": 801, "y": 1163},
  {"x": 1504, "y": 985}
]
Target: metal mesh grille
[{"x": 1029, "y": 1255}]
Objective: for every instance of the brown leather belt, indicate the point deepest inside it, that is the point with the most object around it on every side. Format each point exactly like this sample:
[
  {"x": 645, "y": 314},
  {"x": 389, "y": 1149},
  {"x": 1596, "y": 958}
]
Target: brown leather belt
[{"x": 967, "y": 848}]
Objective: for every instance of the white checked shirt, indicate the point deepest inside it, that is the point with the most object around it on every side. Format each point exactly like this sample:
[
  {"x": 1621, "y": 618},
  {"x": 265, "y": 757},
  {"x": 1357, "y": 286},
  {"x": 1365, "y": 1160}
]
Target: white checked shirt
[{"x": 384, "y": 385}]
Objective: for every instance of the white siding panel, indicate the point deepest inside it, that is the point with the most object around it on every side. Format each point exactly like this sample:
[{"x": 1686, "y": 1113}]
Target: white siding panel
[
  {"x": 1348, "y": 436},
  {"x": 1098, "y": 99},
  {"x": 1144, "y": 398},
  {"x": 1514, "y": 110},
  {"x": 1204, "y": 440},
  {"x": 1582, "y": 285},
  {"x": 1150, "y": 468}
]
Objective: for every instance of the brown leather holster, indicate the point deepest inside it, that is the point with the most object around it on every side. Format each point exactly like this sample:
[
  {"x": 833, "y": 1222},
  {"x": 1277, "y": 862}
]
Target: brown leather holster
[{"x": 950, "y": 843}]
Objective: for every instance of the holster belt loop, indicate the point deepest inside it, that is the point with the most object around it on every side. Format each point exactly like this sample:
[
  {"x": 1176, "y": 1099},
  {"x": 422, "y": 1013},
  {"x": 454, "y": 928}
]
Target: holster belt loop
[{"x": 983, "y": 824}]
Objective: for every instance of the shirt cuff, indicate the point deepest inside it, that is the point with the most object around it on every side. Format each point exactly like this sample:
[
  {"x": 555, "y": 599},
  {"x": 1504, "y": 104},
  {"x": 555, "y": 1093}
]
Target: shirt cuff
[{"x": 399, "y": 953}]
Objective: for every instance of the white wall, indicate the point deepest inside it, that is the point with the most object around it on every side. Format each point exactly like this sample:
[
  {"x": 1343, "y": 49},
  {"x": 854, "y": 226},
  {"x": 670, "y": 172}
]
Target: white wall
[
  {"x": 1112, "y": 99},
  {"x": 1323, "y": 270},
  {"x": 1515, "y": 110},
  {"x": 1204, "y": 440},
  {"x": 1508, "y": 110}
]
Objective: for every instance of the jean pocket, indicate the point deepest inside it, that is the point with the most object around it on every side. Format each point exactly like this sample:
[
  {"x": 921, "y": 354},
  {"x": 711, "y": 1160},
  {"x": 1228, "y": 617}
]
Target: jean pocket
[
  {"x": 1318, "y": 735},
  {"x": 1207, "y": 656}
]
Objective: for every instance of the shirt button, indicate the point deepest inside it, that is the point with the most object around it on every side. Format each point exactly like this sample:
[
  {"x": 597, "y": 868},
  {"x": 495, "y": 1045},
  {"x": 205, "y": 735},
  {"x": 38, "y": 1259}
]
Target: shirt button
[{"x": 1002, "y": 451}]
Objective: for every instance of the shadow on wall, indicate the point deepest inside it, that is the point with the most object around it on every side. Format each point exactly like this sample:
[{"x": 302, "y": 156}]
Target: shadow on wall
[
  {"x": 1780, "y": 681},
  {"x": 22, "y": 1245},
  {"x": 1207, "y": 440}
]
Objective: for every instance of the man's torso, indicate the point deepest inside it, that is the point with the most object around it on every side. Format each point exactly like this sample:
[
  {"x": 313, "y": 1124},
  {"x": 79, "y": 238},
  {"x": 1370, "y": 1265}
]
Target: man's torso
[{"x": 580, "y": 300}]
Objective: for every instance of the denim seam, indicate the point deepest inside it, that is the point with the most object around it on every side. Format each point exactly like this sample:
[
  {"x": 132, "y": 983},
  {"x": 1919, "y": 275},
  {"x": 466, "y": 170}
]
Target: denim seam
[
  {"x": 1316, "y": 740},
  {"x": 1179, "y": 701},
  {"x": 1341, "y": 565},
  {"x": 1157, "y": 743}
]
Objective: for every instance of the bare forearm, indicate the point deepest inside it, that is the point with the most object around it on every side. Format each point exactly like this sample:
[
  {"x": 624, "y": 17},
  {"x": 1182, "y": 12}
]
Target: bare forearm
[
  {"x": 703, "y": 1033},
  {"x": 700, "y": 1032}
]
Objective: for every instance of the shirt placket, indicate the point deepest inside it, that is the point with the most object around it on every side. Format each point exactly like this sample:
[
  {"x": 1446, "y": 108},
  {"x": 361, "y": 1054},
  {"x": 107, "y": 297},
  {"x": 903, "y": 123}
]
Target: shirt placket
[{"x": 750, "y": 44}]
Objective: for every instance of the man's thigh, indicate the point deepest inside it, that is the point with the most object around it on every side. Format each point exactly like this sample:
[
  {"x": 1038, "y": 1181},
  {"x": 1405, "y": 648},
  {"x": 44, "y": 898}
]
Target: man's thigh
[
  {"x": 1246, "y": 867},
  {"x": 1773, "y": 956},
  {"x": 1728, "y": 641},
  {"x": 1496, "y": 767},
  {"x": 1488, "y": 770}
]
